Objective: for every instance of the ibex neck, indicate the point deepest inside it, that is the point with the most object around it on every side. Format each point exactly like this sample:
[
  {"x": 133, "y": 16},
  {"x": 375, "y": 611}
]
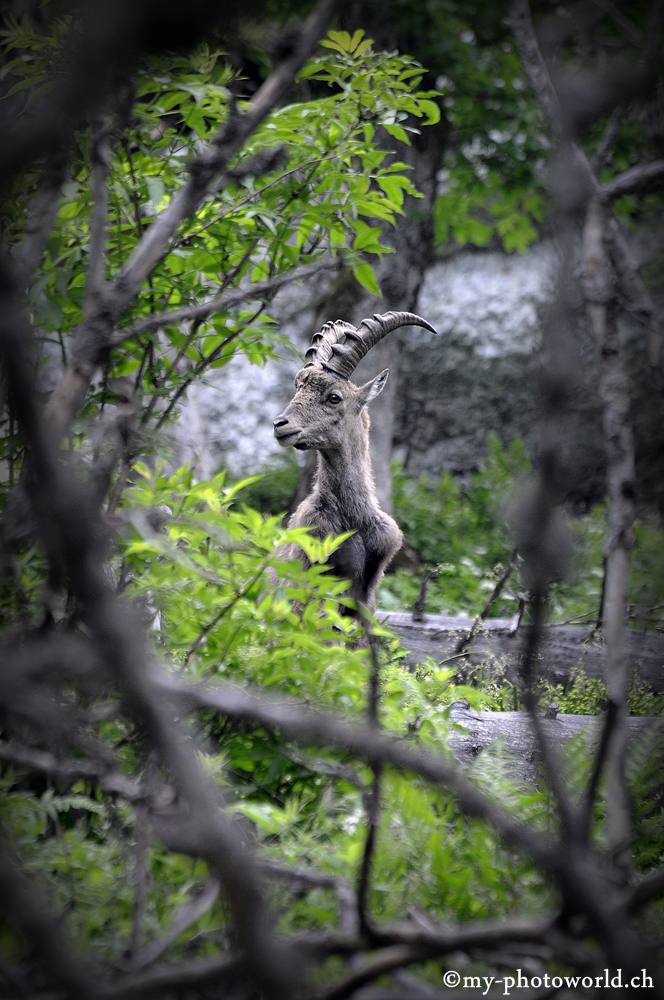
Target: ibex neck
[{"x": 347, "y": 476}]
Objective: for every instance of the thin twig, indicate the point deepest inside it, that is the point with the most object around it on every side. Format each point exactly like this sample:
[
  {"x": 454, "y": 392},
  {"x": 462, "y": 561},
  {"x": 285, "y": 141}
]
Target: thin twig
[
  {"x": 189, "y": 913},
  {"x": 588, "y": 801},
  {"x": 631, "y": 180},
  {"x": 466, "y": 641},
  {"x": 529, "y": 674},
  {"x": 372, "y": 800},
  {"x": 609, "y": 136},
  {"x": 140, "y": 878},
  {"x": 223, "y": 302}
]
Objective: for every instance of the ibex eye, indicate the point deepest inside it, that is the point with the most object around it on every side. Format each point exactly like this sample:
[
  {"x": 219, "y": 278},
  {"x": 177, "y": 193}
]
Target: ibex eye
[{"x": 334, "y": 398}]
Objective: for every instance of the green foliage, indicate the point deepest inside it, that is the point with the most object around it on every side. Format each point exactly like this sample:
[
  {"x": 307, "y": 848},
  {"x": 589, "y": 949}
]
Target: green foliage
[
  {"x": 464, "y": 539},
  {"x": 223, "y": 606},
  {"x": 273, "y": 490},
  {"x": 331, "y": 197},
  {"x": 464, "y": 536},
  {"x": 583, "y": 695}
]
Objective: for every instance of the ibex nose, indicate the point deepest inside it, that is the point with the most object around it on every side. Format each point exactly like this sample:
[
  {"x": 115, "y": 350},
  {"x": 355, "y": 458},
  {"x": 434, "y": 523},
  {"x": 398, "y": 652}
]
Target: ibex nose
[{"x": 281, "y": 421}]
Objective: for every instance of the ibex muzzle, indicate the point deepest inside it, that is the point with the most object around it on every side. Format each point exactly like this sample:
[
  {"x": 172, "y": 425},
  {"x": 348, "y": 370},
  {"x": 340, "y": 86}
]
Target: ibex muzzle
[{"x": 329, "y": 413}]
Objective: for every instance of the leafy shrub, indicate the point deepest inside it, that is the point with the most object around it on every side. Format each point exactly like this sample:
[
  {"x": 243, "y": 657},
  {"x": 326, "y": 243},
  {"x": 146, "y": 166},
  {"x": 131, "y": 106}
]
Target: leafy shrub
[{"x": 464, "y": 539}]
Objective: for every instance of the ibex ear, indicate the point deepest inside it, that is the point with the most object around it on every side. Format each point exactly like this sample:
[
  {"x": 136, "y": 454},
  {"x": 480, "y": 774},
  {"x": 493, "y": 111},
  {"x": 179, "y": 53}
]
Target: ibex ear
[{"x": 372, "y": 389}]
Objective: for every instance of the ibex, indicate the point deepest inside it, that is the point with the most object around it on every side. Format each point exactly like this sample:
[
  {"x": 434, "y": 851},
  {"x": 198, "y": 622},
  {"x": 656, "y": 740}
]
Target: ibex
[{"x": 329, "y": 413}]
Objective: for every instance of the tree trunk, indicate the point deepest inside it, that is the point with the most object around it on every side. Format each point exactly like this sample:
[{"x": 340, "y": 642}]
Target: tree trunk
[
  {"x": 614, "y": 389},
  {"x": 400, "y": 276}
]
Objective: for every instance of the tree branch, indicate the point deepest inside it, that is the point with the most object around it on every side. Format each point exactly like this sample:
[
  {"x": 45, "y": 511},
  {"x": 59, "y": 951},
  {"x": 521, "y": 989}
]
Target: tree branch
[
  {"x": 397, "y": 957},
  {"x": 204, "y": 972},
  {"x": 585, "y": 817},
  {"x": 614, "y": 390},
  {"x": 467, "y": 640},
  {"x": 111, "y": 782},
  {"x": 631, "y": 180},
  {"x": 43, "y": 211},
  {"x": 302, "y": 724},
  {"x": 520, "y": 22},
  {"x": 647, "y": 890},
  {"x": 372, "y": 800},
  {"x": 551, "y": 764},
  {"x": 69, "y": 532},
  {"x": 609, "y": 137},
  {"x": 634, "y": 296},
  {"x": 223, "y": 302},
  {"x": 100, "y": 156},
  {"x": 185, "y": 917}
]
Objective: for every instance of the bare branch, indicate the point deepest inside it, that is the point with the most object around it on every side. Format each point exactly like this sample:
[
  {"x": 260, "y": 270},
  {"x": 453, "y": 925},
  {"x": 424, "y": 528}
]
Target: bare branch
[
  {"x": 185, "y": 917},
  {"x": 304, "y": 725},
  {"x": 396, "y": 957},
  {"x": 585, "y": 817},
  {"x": 649, "y": 889},
  {"x": 614, "y": 389},
  {"x": 69, "y": 533},
  {"x": 372, "y": 800},
  {"x": 631, "y": 180},
  {"x": 406, "y": 944},
  {"x": 466, "y": 641},
  {"x": 549, "y": 758},
  {"x": 100, "y": 155},
  {"x": 223, "y": 302},
  {"x": 373, "y": 821},
  {"x": 111, "y": 782},
  {"x": 140, "y": 879},
  {"x": 520, "y": 22},
  {"x": 43, "y": 211},
  {"x": 210, "y": 971},
  {"x": 609, "y": 137},
  {"x": 633, "y": 294}
]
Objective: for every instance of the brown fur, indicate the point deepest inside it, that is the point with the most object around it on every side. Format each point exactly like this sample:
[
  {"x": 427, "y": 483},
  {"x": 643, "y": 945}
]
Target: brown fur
[{"x": 343, "y": 497}]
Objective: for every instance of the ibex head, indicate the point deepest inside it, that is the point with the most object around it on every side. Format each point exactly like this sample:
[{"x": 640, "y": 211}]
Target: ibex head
[{"x": 327, "y": 410}]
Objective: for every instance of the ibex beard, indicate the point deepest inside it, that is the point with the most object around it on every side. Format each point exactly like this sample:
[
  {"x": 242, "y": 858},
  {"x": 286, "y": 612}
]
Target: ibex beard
[{"x": 329, "y": 414}]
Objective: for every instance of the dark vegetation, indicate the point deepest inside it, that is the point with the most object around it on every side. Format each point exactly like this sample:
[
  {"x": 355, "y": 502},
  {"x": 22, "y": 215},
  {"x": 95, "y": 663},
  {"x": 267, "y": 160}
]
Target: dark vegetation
[{"x": 214, "y": 783}]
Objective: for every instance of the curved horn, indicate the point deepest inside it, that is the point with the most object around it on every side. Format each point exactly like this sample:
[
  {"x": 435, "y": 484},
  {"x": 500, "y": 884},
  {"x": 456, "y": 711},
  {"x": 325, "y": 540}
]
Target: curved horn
[{"x": 338, "y": 347}]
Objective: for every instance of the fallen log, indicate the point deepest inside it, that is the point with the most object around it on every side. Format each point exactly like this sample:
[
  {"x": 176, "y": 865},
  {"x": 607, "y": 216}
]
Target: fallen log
[
  {"x": 565, "y": 649},
  {"x": 521, "y": 754}
]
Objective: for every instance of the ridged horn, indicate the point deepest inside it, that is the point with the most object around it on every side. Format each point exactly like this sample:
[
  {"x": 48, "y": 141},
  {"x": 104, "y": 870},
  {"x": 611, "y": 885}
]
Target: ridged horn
[{"x": 339, "y": 347}]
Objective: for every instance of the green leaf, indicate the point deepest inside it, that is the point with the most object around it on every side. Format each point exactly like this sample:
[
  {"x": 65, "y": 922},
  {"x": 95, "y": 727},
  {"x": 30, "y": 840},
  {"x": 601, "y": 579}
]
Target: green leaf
[
  {"x": 431, "y": 110},
  {"x": 156, "y": 189},
  {"x": 398, "y": 132},
  {"x": 366, "y": 236},
  {"x": 366, "y": 277}
]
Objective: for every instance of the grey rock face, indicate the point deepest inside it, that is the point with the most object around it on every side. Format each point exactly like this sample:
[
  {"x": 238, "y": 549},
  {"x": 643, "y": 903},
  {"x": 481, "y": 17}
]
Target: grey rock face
[
  {"x": 488, "y": 302},
  {"x": 227, "y": 420}
]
